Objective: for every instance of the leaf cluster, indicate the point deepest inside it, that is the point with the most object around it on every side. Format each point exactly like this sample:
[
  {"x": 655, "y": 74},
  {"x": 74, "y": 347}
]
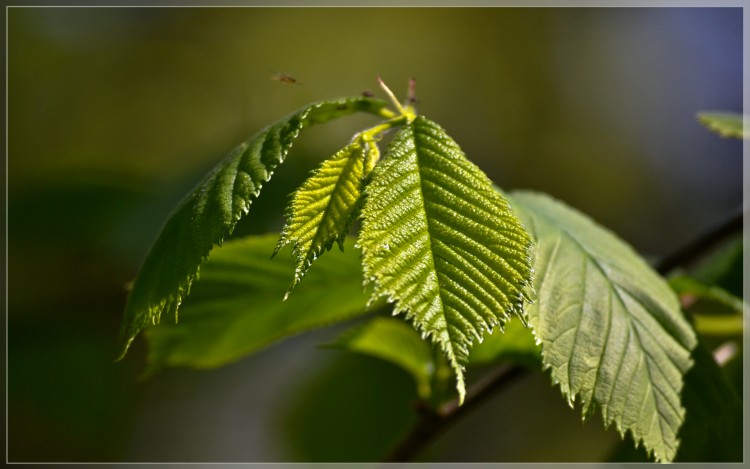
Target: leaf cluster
[{"x": 453, "y": 256}]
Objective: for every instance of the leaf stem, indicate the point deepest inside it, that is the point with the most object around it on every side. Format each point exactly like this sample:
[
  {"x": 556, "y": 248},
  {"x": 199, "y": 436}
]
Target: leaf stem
[
  {"x": 369, "y": 138},
  {"x": 374, "y": 134},
  {"x": 407, "y": 111},
  {"x": 392, "y": 96}
]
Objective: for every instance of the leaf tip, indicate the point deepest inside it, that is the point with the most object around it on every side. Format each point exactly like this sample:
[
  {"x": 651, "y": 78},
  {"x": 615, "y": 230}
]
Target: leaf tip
[
  {"x": 280, "y": 244},
  {"x": 461, "y": 387},
  {"x": 123, "y": 350}
]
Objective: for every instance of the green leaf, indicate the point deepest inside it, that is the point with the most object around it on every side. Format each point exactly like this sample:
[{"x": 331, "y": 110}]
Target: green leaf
[
  {"x": 726, "y": 124},
  {"x": 516, "y": 344},
  {"x": 720, "y": 326},
  {"x": 441, "y": 243},
  {"x": 209, "y": 213},
  {"x": 394, "y": 341},
  {"x": 711, "y": 293},
  {"x": 323, "y": 208},
  {"x": 692, "y": 290},
  {"x": 724, "y": 267},
  {"x": 611, "y": 329},
  {"x": 236, "y": 309}
]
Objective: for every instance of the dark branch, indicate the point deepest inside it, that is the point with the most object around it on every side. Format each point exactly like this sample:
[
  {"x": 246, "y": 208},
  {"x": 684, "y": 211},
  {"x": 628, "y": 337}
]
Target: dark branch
[
  {"x": 432, "y": 423},
  {"x": 700, "y": 245}
]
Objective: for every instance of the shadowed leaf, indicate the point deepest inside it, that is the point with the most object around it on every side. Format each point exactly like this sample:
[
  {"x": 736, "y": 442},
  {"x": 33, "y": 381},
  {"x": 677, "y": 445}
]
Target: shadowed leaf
[
  {"x": 209, "y": 213},
  {"x": 236, "y": 308},
  {"x": 611, "y": 330}
]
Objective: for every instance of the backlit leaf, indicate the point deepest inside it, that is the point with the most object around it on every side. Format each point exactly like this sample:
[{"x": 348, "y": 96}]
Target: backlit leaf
[
  {"x": 209, "y": 213},
  {"x": 441, "y": 243},
  {"x": 611, "y": 330},
  {"x": 236, "y": 309},
  {"x": 323, "y": 208}
]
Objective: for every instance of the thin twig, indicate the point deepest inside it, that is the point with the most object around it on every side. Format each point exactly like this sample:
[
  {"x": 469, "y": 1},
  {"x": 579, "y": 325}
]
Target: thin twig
[
  {"x": 700, "y": 245},
  {"x": 432, "y": 423}
]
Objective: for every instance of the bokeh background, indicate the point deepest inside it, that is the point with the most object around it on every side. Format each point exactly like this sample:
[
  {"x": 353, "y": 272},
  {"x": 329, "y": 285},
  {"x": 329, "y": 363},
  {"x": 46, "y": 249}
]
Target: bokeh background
[{"x": 115, "y": 113}]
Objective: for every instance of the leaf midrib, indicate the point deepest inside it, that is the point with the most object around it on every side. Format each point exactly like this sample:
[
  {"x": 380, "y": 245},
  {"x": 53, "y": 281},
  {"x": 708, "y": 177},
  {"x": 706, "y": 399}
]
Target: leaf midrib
[
  {"x": 451, "y": 336},
  {"x": 350, "y": 160}
]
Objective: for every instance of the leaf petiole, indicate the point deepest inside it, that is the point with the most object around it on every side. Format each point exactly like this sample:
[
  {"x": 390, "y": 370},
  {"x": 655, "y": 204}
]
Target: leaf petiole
[
  {"x": 408, "y": 111},
  {"x": 369, "y": 138}
]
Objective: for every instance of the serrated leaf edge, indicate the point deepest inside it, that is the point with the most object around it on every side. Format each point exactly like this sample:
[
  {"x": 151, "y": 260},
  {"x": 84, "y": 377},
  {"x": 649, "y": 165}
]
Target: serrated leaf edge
[
  {"x": 516, "y": 305},
  {"x": 170, "y": 304}
]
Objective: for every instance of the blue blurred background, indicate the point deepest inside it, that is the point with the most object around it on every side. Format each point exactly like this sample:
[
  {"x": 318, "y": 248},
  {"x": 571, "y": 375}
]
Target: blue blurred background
[{"x": 115, "y": 113}]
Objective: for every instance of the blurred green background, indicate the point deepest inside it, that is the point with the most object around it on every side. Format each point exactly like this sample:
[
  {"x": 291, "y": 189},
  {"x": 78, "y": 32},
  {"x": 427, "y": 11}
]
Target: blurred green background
[{"x": 115, "y": 113}]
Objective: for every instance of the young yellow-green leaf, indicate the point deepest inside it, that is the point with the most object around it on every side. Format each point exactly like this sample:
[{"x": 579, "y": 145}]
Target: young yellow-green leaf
[
  {"x": 611, "y": 330},
  {"x": 236, "y": 309},
  {"x": 323, "y": 208},
  {"x": 209, "y": 213},
  {"x": 726, "y": 124},
  {"x": 441, "y": 243},
  {"x": 394, "y": 341}
]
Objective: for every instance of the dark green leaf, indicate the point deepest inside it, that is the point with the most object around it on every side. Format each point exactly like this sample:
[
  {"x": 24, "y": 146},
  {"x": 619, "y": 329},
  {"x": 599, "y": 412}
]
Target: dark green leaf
[
  {"x": 441, "y": 243},
  {"x": 611, "y": 329},
  {"x": 724, "y": 268},
  {"x": 209, "y": 213},
  {"x": 236, "y": 307},
  {"x": 713, "y": 427}
]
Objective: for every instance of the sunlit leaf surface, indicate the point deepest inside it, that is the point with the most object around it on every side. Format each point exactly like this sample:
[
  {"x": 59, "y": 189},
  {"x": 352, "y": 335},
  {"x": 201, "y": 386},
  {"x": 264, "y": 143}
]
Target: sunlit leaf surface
[
  {"x": 439, "y": 242},
  {"x": 322, "y": 210}
]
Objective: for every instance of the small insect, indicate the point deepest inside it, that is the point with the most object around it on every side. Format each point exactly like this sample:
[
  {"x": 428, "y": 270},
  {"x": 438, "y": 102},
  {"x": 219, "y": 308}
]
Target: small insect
[
  {"x": 284, "y": 78},
  {"x": 368, "y": 94}
]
